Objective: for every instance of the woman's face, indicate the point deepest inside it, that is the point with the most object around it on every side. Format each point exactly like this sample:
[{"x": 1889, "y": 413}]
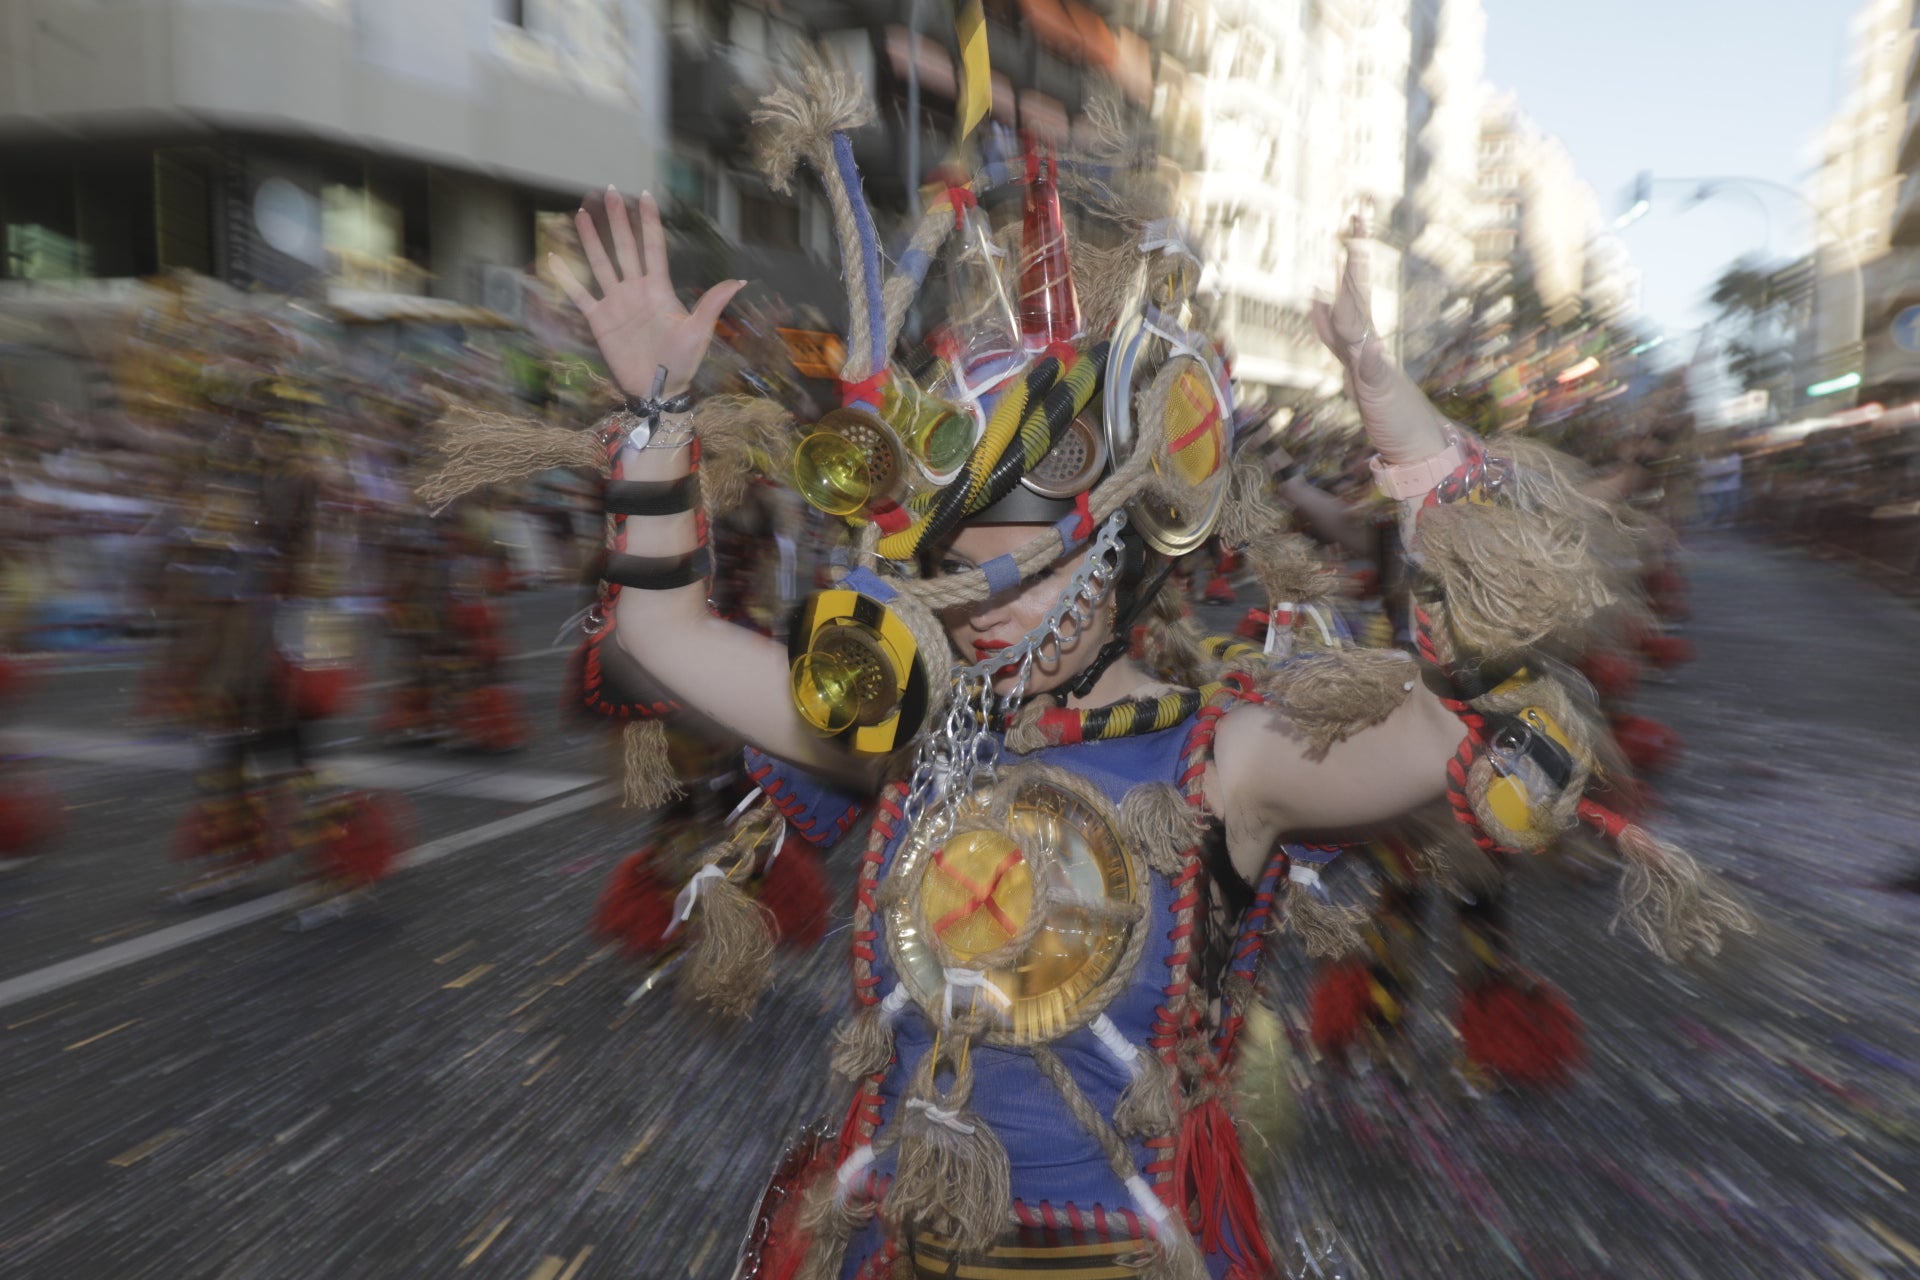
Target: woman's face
[{"x": 981, "y": 630}]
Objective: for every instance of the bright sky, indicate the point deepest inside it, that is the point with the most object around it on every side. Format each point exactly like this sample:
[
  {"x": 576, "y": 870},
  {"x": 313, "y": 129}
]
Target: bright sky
[{"x": 1686, "y": 89}]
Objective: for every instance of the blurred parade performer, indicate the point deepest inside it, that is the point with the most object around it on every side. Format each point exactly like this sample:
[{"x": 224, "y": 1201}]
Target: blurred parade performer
[
  {"x": 264, "y": 654},
  {"x": 1058, "y": 1042},
  {"x": 30, "y": 811},
  {"x": 450, "y": 654}
]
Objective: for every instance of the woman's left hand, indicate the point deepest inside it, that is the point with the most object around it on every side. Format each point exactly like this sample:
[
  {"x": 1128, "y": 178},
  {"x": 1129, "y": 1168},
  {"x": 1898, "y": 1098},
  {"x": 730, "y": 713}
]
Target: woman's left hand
[{"x": 1401, "y": 423}]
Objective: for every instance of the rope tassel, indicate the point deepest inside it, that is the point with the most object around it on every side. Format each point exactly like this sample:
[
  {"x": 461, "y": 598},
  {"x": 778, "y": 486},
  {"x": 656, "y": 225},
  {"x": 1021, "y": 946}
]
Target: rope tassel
[
  {"x": 952, "y": 1176},
  {"x": 1326, "y": 929},
  {"x": 646, "y": 771},
  {"x": 863, "y": 1044},
  {"x": 831, "y": 1215},
  {"x": 1147, "y": 1107},
  {"x": 1161, "y": 825},
  {"x": 1667, "y": 899}
]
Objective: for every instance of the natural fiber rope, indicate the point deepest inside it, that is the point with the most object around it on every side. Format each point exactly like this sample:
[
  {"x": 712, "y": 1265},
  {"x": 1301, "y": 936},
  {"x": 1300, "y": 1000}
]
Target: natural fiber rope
[
  {"x": 901, "y": 287},
  {"x": 1112, "y": 1145}
]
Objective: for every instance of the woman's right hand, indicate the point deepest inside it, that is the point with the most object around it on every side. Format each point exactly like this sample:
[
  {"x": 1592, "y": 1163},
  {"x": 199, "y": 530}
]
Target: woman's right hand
[{"x": 637, "y": 320}]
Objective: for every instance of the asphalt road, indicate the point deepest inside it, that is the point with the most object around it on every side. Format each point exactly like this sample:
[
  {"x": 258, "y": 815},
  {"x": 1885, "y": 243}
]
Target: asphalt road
[{"x": 449, "y": 1081}]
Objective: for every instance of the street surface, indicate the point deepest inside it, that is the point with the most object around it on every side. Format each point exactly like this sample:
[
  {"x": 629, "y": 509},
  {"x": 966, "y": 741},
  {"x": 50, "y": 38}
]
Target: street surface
[{"x": 449, "y": 1082}]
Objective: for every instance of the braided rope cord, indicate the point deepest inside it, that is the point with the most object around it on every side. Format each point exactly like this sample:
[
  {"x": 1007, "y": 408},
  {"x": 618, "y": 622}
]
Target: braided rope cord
[{"x": 1180, "y": 1033}]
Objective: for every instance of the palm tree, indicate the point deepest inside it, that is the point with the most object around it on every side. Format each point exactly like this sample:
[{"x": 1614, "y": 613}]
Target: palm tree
[{"x": 1758, "y": 304}]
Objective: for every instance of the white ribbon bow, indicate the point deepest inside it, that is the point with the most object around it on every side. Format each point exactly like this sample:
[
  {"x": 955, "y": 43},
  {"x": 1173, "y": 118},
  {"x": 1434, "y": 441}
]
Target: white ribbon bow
[
  {"x": 683, "y": 904},
  {"x": 1304, "y": 873},
  {"x": 940, "y": 1115}
]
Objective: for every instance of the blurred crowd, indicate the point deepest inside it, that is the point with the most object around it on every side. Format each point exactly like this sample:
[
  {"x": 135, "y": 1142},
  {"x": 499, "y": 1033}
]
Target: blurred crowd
[{"x": 139, "y": 426}]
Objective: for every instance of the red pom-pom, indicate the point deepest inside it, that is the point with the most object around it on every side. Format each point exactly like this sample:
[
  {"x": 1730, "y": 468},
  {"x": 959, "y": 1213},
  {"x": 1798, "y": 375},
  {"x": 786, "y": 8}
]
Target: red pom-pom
[
  {"x": 1218, "y": 590},
  {"x": 1343, "y": 1005},
  {"x": 29, "y": 816},
  {"x": 490, "y": 718},
  {"x": 1253, "y": 626},
  {"x": 314, "y": 693},
  {"x": 636, "y": 907},
  {"x": 1648, "y": 745},
  {"x": 1614, "y": 674},
  {"x": 1229, "y": 561},
  {"x": 364, "y": 840},
  {"x": 479, "y": 630},
  {"x": 409, "y": 710},
  {"x": 1528, "y": 1035},
  {"x": 1667, "y": 652},
  {"x": 794, "y": 888}
]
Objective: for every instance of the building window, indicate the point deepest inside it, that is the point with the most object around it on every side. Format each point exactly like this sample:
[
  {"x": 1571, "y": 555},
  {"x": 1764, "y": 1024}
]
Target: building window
[{"x": 768, "y": 222}]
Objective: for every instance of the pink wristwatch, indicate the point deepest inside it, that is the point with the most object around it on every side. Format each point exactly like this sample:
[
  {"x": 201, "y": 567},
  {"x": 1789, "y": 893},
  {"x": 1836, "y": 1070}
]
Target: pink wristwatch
[{"x": 1416, "y": 479}]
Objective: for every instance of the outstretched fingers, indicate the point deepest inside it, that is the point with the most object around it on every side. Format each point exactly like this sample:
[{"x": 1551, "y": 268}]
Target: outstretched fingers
[
  {"x": 570, "y": 284},
  {"x": 620, "y": 226},
  {"x": 1353, "y": 304},
  {"x": 653, "y": 241},
  {"x": 603, "y": 273},
  {"x": 706, "y": 312}
]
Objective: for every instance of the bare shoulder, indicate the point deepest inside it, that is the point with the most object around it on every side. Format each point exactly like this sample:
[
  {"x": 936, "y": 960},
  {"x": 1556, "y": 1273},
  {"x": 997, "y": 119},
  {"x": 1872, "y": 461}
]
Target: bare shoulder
[{"x": 1256, "y": 753}]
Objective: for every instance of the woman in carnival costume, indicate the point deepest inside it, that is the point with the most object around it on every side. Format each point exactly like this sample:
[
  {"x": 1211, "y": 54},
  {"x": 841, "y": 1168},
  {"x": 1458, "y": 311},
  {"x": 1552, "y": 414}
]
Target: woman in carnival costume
[{"x": 1073, "y": 856}]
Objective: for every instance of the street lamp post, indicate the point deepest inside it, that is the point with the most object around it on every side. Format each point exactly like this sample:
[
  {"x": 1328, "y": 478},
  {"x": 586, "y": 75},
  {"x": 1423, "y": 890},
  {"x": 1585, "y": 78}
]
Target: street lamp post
[{"x": 1642, "y": 203}]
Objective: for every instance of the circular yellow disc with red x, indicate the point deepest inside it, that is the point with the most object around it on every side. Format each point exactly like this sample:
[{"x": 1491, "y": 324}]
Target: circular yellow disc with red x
[
  {"x": 1044, "y": 905},
  {"x": 978, "y": 893}
]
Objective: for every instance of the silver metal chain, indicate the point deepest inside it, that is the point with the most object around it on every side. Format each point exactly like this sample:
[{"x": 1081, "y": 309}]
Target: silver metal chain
[{"x": 963, "y": 753}]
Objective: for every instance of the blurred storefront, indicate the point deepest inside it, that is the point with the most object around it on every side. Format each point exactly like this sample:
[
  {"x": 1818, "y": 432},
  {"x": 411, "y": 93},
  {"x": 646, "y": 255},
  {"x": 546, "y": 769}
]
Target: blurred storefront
[{"x": 309, "y": 146}]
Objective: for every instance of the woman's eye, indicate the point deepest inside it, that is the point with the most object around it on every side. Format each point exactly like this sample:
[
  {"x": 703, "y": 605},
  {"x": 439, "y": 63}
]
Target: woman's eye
[{"x": 948, "y": 567}]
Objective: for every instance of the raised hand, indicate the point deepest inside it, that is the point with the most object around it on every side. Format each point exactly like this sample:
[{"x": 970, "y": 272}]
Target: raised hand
[
  {"x": 1401, "y": 423},
  {"x": 637, "y": 320}
]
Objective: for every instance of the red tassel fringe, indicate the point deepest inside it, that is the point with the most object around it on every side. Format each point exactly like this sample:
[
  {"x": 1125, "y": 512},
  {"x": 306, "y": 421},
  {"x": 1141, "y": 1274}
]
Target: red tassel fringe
[{"x": 1209, "y": 1171}]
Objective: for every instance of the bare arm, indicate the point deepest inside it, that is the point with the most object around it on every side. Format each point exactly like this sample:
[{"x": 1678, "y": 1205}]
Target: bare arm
[
  {"x": 736, "y": 677},
  {"x": 1335, "y": 521},
  {"x": 1266, "y": 788},
  {"x": 731, "y": 675}
]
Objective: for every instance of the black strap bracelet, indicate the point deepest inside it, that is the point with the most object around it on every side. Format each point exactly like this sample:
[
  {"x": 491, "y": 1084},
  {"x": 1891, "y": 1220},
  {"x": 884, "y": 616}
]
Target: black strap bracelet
[
  {"x": 659, "y": 573},
  {"x": 652, "y": 497}
]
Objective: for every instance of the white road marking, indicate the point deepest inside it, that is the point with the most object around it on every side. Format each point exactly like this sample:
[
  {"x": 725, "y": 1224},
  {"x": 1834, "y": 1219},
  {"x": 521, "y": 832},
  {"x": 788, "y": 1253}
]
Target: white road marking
[
  {"x": 148, "y": 945},
  {"x": 393, "y": 772}
]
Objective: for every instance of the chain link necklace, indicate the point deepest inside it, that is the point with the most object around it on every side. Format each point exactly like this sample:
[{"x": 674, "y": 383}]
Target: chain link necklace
[{"x": 963, "y": 753}]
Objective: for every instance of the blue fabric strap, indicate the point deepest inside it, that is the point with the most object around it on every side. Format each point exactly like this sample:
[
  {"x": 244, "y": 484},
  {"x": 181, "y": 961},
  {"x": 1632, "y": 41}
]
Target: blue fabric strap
[
  {"x": 1002, "y": 574},
  {"x": 867, "y": 583}
]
